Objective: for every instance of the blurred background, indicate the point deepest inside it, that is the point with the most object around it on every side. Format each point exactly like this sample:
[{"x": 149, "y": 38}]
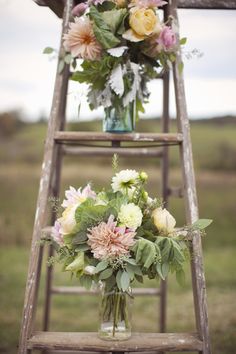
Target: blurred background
[{"x": 26, "y": 87}]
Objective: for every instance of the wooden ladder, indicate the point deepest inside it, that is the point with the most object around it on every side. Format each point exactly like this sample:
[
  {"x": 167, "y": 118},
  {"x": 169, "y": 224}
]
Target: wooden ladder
[{"x": 60, "y": 142}]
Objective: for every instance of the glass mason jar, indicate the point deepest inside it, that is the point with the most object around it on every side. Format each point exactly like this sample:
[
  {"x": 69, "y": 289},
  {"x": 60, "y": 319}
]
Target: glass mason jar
[
  {"x": 120, "y": 119},
  {"x": 115, "y": 315}
]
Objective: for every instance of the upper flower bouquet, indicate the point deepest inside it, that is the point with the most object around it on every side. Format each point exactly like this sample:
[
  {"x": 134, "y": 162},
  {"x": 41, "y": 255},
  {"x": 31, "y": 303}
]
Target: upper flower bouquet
[{"x": 123, "y": 45}]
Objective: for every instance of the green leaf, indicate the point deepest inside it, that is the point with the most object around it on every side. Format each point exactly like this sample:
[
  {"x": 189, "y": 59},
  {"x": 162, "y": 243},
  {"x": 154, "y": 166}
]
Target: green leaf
[
  {"x": 124, "y": 281},
  {"x": 82, "y": 247},
  {"x": 165, "y": 269},
  {"x": 67, "y": 58},
  {"x": 180, "y": 277},
  {"x": 101, "y": 266},
  {"x": 130, "y": 271},
  {"x": 201, "y": 224},
  {"x": 105, "y": 38},
  {"x": 159, "y": 271},
  {"x": 118, "y": 279},
  {"x": 61, "y": 66},
  {"x": 114, "y": 18},
  {"x": 48, "y": 50},
  {"x": 86, "y": 281},
  {"x": 101, "y": 30},
  {"x": 131, "y": 261},
  {"x": 106, "y": 274},
  {"x": 139, "y": 278},
  {"x": 80, "y": 237},
  {"x": 183, "y": 41},
  {"x": 181, "y": 67}
]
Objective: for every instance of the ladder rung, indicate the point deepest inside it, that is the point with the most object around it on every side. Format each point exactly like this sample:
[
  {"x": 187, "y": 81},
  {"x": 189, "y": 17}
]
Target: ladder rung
[
  {"x": 72, "y": 137},
  {"x": 72, "y": 290},
  {"x": 207, "y": 4},
  {"x": 101, "y": 151},
  {"x": 139, "y": 342},
  {"x": 175, "y": 192}
]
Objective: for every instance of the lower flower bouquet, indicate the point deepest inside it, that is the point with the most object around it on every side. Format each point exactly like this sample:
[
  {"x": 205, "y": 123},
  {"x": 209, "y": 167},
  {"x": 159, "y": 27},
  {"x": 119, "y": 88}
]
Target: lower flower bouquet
[{"x": 111, "y": 238}]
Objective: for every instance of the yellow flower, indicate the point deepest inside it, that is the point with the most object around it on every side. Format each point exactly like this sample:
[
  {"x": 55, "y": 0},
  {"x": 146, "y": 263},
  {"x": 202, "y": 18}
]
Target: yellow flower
[
  {"x": 163, "y": 220},
  {"x": 143, "y": 21},
  {"x": 67, "y": 220},
  {"x": 120, "y": 3}
]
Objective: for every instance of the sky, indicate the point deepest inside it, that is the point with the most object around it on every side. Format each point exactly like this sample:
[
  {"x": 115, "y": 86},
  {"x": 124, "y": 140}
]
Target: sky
[{"x": 27, "y": 76}]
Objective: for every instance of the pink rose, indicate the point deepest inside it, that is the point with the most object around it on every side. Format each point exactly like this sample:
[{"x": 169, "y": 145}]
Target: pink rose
[
  {"x": 79, "y": 9},
  {"x": 167, "y": 38}
]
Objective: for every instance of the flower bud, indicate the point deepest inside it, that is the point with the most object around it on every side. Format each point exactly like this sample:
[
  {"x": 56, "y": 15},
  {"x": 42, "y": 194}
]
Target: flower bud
[
  {"x": 79, "y": 9},
  {"x": 143, "y": 176}
]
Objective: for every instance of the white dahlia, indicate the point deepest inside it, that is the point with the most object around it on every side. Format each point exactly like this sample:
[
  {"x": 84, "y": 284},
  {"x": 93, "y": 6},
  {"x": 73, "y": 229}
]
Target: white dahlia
[
  {"x": 124, "y": 180},
  {"x": 130, "y": 215}
]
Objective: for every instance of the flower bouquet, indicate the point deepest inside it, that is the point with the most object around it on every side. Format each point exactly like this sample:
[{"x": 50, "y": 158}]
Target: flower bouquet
[
  {"x": 123, "y": 44},
  {"x": 115, "y": 237}
]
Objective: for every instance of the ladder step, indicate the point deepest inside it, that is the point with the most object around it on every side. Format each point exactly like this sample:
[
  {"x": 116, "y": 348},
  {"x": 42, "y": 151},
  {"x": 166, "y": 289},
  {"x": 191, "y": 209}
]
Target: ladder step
[
  {"x": 207, "y": 4},
  {"x": 72, "y": 290},
  {"x": 72, "y": 137},
  {"x": 101, "y": 151},
  {"x": 139, "y": 342}
]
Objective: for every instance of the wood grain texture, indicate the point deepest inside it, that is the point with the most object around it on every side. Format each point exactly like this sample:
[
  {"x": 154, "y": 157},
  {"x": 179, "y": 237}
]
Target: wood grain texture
[
  {"x": 73, "y": 137},
  {"x": 49, "y": 163},
  {"x": 191, "y": 203},
  {"x": 57, "y": 5},
  {"x": 101, "y": 151},
  {"x": 139, "y": 342}
]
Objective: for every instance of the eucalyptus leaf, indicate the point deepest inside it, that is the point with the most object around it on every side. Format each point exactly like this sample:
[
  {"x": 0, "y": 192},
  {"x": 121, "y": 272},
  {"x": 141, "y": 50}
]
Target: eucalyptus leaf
[
  {"x": 101, "y": 266},
  {"x": 105, "y": 274},
  {"x": 124, "y": 281},
  {"x": 61, "y": 66},
  {"x": 201, "y": 224},
  {"x": 118, "y": 279},
  {"x": 165, "y": 270},
  {"x": 48, "y": 50}
]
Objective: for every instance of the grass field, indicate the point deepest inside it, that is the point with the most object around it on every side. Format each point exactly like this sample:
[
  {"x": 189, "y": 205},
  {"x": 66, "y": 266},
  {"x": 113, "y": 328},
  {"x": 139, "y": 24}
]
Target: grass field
[{"x": 214, "y": 154}]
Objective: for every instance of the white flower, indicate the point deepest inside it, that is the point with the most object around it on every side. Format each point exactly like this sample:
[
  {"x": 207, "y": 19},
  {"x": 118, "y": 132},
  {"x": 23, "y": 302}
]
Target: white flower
[
  {"x": 67, "y": 221},
  {"x": 89, "y": 270},
  {"x": 130, "y": 215},
  {"x": 124, "y": 180},
  {"x": 163, "y": 220},
  {"x": 78, "y": 196}
]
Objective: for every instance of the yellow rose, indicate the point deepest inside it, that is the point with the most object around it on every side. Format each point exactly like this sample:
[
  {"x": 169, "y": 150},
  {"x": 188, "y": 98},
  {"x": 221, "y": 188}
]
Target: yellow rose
[
  {"x": 121, "y": 3},
  {"x": 163, "y": 220},
  {"x": 143, "y": 22},
  {"x": 67, "y": 220}
]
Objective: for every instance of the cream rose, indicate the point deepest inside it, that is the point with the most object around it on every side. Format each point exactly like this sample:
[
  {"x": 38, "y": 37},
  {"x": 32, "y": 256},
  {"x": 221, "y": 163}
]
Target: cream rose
[
  {"x": 67, "y": 221},
  {"x": 143, "y": 22},
  {"x": 163, "y": 220}
]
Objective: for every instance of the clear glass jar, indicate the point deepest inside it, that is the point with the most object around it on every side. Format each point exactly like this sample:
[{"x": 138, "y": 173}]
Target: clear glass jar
[
  {"x": 115, "y": 315},
  {"x": 121, "y": 119}
]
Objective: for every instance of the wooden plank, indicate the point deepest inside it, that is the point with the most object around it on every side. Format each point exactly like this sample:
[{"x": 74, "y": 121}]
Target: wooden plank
[
  {"x": 73, "y": 137},
  {"x": 58, "y": 5},
  {"x": 73, "y": 290},
  {"x": 207, "y": 4},
  {"x": 191, "y": 204},
  {"x": 139, "y": 342},
  {"x": 101, "y": 151},
  {"x": 50, "y": 154}
]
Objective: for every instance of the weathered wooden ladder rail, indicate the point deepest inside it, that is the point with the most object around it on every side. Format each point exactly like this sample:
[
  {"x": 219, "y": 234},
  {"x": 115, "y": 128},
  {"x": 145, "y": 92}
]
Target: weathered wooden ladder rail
[{"x": 60, "y": 143}]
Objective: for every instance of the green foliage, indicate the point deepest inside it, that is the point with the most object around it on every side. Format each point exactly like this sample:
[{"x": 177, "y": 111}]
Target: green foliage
[
  {"x": 114, "y": 19},
  {"x": 101, "y": 30},
  {"x": 48, "y": 50},
  {"x": 202, "y": 224},
  {"x": 95, "y": 72}
]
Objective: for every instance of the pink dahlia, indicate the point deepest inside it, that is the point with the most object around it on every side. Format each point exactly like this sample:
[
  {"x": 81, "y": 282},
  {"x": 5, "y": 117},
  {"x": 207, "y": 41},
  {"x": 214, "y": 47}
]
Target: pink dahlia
[
  {"x": 78, "y": 196},
  {"x": 81, "y": 41},
  {"x": 109, "y": 241}
]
